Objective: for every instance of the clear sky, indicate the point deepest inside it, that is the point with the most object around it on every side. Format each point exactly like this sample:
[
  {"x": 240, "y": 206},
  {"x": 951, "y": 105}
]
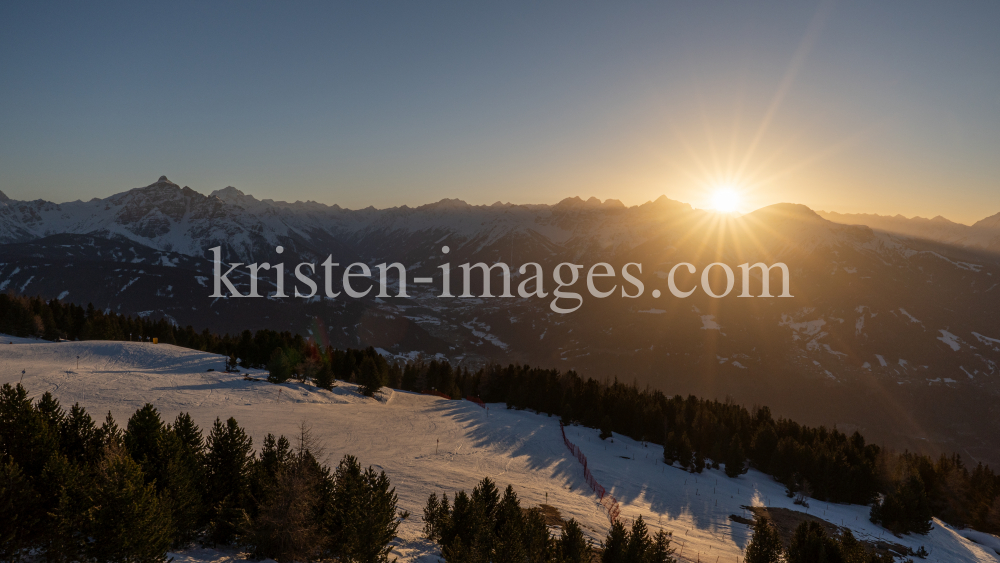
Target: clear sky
[{"x": 885, "y": 107}]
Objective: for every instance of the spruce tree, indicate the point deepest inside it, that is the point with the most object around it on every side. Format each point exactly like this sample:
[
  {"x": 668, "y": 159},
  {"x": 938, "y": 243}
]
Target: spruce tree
[
  {"x": 639, "y": 545},
  {"x": 128, "y": 520},
  {"x": 180, "y": 482},
  {"x": 370, "y": 377},
  {"x": 735, "y": 459},
  {"x": 366, "y": 517},
  {"x": 431, "y": 518},
  {"x": 765, "y": 544},
  {"x": 190, "y": 435},
  {"x": 20, "y": 513},
  {"x": 810, "y": 544},
  {"x": 661, "y": 552},
  {"x": 572, "y": 544},
  {"x": 615, "y": 544},
  {"x": 143, "y": 438},
  {"x": 904, "y": 509},
  {"x": 285, "y": 527},
  {"x": 505, "y": 524},
  {"x": 227, "y": 468},
  {"x": 324, "y": 377},
  {"x": 537, "y": 542},
  {"x": 25, "y": 434},
  {"x": 279, "y": 367},
  {"x": 80, "y": 439},
  {"x": 606, "y": 428},
  {"x": 110, "y": 434}
]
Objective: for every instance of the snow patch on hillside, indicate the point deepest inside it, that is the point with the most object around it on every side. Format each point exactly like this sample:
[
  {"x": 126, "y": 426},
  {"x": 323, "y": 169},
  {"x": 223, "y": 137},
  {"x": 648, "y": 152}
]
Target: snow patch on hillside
[{"x": 949, "y": 339}]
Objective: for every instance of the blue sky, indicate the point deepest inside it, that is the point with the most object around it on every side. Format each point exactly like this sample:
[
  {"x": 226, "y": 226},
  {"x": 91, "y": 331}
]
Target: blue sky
[{"x": 887, "y": 107}]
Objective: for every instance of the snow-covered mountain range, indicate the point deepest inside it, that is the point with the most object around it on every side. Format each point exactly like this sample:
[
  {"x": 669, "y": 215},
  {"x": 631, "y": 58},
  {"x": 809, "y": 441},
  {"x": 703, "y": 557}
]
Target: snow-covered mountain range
[{"x": 892, "y": 331}]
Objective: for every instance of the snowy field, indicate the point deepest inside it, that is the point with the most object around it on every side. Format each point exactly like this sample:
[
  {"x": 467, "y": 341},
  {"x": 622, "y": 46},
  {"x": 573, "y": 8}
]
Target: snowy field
[{"x": 426, "y": 444}]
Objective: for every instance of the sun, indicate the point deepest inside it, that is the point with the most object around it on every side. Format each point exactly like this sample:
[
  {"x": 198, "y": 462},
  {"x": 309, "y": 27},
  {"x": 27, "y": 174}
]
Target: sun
[{"x": 725, "y": 200}]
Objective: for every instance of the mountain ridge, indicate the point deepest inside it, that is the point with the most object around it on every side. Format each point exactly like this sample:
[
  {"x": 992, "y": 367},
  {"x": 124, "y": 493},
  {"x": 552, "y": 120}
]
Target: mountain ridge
[{"x": 879, "y": 322}]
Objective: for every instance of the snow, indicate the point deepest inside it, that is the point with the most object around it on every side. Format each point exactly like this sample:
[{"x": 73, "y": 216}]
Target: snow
[
  {"x": 708, "y": 323},
  {"x": 987, "y": 540},
  {"x": 912, "y": 318},
  {"x": 992, "y": 342},
  {"x": 949, "y": 339},
  {"x": 397, "y": 433},
  {"x": 809, "y": 328}
]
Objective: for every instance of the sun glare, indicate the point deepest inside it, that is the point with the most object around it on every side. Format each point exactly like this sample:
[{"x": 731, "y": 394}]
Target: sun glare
[{"x": 725, "y": 200}]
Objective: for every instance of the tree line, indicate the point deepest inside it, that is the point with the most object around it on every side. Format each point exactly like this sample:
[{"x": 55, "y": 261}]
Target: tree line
[
  {"x": 487, "y": 526},
  {"x": 811, "y": 544},
  {"x": 905, "y": 489},
  {"x": 73, "y": 490}
]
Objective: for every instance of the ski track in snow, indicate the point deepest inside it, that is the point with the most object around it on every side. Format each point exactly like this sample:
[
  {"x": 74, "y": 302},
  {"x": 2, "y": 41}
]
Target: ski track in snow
[{"x": 398, "y": 432}]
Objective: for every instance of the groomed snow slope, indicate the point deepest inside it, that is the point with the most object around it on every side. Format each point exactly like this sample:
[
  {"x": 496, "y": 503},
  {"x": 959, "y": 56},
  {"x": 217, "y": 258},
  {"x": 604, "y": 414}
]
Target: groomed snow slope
[{"x": 399, "y": 432}]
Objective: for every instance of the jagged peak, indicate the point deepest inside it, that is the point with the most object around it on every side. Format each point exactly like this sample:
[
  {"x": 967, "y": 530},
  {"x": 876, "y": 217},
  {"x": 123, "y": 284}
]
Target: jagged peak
[
  {"x": 3, "y": 197},
  {"x": 229, "y": 194},
  {"x": 163, "y": 181}
]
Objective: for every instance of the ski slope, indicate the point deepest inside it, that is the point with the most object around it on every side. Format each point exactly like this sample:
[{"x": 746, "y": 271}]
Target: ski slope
[{"x": 426, "y": 444}]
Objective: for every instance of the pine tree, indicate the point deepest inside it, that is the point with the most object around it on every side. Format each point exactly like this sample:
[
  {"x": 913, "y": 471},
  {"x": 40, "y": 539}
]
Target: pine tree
[
  {"x": 537, "y": 542},
  {"x": 110, "y": 434},
  {"x": 180, "y": 482},
  {"x": 504, "y": 522},
  {"x": 20, "y": 512},
  {"x": 605, "y": 428},
  {"x": 735, "y": 459},
  {"x": 670, "y": 449},
  {"x": 765, "y": 544},
  {"x": 366, "y": 516},
  {"x": 661, "y": 552},
  {"x": 25, "y": 434},
  {"x": 227, "y": 465},
  {"x": 50, "y": 410},
  {"x": 763, "y": 445},
  {"x": 639, "y": 544},
  {"x": 324, "y": 377},
  {"x": 285, "y": 527},
  {"x": 142, "y": 439},
  {"x": 684, "y": 453},
  {"x": 905, "y": 509},
  {"x": 370, "y": 377},
  {"x": 699, "y": 462},
  {"x": 572, "y": 544},
  {"x": 395, "y": 377},
  {"x": 190, "y": 436},
  {"x": 615, "y": 544},
  {"x": 432, "y": 524},
  {"x": 810, "y": 544},
  {"x": 279, "y": 367},
  {"x": 80, "y": 439},
  {"x": 128, "y": 521}
]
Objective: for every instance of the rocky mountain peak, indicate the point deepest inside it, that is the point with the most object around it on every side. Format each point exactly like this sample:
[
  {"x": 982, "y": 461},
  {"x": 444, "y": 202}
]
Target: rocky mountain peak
[
  {"x": 3, "y": 197},
  {"x": 229, "y": 194}
]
